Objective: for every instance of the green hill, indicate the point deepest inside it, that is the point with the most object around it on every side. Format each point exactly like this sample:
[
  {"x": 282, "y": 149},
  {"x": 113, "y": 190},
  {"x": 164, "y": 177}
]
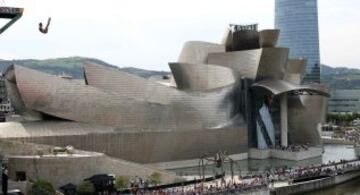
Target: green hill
[
  {"x": 339, "y": 77},
  {"x": 72, "y": 66},
  {"x": 69, "y": 66}
]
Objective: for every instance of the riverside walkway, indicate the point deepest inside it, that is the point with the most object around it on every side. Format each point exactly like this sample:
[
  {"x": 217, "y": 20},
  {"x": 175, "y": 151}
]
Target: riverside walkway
[
  {"x": 281, "y": 181},
  {"x": 306, "y": 179}
]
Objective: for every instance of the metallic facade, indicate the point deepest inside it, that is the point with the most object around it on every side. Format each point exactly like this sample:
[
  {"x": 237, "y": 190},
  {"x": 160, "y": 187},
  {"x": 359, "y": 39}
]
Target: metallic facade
[
  {"x": 200, "y": 77},
  {"x": 294, "y": 70},
  {"x": 137, "y": 146},
  {"x": 70, "y": 100},
  {"x": 214, "y": 105},
  {"x": 306, "y": 114},
  {"x": 298, "y": 22}
]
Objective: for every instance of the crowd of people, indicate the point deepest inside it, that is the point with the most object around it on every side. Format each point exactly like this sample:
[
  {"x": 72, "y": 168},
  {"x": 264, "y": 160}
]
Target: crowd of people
[
  {"x": 352, "y": 135},
  {"x": 310, "y": 172},
  {"x": 213, "y": 187},
  {"x": 139, "y": 182},
  {"x": 259, "y": 181}
]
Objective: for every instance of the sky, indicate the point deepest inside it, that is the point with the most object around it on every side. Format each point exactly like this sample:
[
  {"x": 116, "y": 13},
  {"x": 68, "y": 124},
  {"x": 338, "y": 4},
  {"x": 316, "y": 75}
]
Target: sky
[{"x": 149, "y": 34}]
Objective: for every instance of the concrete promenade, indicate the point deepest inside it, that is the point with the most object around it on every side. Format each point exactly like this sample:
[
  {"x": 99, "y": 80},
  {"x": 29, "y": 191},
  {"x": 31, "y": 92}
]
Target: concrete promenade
[
  {"x": 329, "y": 140},
  {"x": 40, "y": 161},
  {"x": 311, "y": 152},
  {"x": 339, "y": 173}
]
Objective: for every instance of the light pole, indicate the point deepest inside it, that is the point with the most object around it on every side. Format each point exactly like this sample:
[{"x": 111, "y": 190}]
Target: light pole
[{"x": 4, "y": 174}]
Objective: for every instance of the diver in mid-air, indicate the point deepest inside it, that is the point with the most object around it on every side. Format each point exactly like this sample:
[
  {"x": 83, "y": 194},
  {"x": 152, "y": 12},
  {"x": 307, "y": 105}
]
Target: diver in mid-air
[{"x": 46, "y": 29}]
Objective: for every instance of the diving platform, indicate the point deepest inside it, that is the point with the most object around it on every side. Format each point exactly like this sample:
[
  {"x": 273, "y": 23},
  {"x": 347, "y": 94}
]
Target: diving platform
[{"x": 10, "y": 13}]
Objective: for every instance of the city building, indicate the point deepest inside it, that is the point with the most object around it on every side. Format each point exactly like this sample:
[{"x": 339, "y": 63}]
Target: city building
[
  {"x": 240, "y": 94},
  {"x": 5, "y": 105},
  {"x": 243, "y": 96},
  {"x": 12, "y": 15},
  {"x": 2, "y": 88},
  {"x": 344, "y": 101},
  {"x": 298, "y": 22}
]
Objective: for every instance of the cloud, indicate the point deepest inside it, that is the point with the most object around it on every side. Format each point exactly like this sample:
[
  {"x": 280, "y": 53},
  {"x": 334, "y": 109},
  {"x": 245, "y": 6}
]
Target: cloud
[
  {"x": 140, "y": 33},
  {"x": 339, "y": 32},
  {"x": 149, "y": 34},
  {"x": 8, "y": 56}
]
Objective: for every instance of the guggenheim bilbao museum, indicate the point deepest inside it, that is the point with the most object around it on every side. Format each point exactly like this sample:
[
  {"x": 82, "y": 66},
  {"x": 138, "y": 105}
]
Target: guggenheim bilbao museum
[{"x": 241, "y": 95}]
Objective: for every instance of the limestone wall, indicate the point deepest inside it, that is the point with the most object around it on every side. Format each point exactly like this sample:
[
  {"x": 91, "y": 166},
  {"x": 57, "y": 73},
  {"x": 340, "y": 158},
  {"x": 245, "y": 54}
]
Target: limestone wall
[
  {"x": 312, "y": 152},
  {"x": 22, "y": 148},
  {"x": 60, "y": 169},
  {"x": 151, "y": 147}
]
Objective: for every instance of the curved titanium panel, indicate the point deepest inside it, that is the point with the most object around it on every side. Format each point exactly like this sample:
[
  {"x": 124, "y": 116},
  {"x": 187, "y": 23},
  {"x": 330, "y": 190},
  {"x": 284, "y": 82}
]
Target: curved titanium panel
[
  {"x": 268, "y": 38},
  {"x": 9, "y": 74},
  {"x": 12, "y": 91},
  {"x": 74, "y": 101},
  {"x": 243, "y": 63},
  {"x": 323, "y": 100},
  {"x": 181, "y": 110},
  {"x": 127, "y": 85},
  {"x": 272, "y": 63},
  {"x": 296, "y": 66},
  {"x": 196, "y": 52},
  {"x": 277, "y": 87},
  {"x": 206, "y": 109},
  {"x": 201, "y": 77},
  {"x": 294, "y": 70},
  {"x": 83, "y": 103},
  {"x": 253, "y": 64},
  {"x": 306, "y": 113},
  {"x": 15, "y": 97}
]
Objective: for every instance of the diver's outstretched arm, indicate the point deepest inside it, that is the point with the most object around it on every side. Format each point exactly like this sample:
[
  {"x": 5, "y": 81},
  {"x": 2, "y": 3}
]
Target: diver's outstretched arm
[{"x": 47, "y": 25}]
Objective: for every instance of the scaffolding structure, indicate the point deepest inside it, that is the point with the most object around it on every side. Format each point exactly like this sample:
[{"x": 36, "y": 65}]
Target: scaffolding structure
[{"x": 12, "y": 14}]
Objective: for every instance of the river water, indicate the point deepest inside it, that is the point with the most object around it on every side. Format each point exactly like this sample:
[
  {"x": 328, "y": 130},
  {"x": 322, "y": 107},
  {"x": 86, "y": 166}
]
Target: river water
[
  {"x": 332, "y": 153},
  {"x": 349, "y": 188}
]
